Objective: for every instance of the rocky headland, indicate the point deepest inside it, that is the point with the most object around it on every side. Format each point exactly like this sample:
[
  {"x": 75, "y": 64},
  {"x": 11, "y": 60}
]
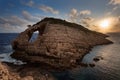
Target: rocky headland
[{"x": 59, "y": 45}]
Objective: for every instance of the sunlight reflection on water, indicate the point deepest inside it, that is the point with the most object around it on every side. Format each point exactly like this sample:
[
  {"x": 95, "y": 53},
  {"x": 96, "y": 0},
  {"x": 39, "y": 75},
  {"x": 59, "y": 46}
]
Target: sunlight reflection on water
[{"x": 106, "y": 69}]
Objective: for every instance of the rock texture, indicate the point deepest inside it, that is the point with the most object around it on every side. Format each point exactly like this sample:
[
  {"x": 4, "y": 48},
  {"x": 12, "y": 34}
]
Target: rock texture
[
  {"x": 59, "y": 43},
  {"x": 6, "y": 75},
  {"x": 24, "y": 72}
]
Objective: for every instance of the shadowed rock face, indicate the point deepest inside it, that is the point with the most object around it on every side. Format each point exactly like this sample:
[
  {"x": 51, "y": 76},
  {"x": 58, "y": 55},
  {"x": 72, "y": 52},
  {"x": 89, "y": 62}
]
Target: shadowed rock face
[
  {"x": 9, "y": 71},
  {"x": 59, "y": 43}
]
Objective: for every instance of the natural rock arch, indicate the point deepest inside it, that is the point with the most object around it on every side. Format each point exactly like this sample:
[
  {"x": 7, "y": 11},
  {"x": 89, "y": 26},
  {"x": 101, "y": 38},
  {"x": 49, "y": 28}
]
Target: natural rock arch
[{"x": 59, "y": 43}]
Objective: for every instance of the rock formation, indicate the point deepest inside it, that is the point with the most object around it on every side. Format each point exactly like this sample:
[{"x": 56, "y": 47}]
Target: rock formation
[
  {"x": 6, "y": 75},
  {"x": 59, "y": 43},
  {"x": 26, "y": 72}
]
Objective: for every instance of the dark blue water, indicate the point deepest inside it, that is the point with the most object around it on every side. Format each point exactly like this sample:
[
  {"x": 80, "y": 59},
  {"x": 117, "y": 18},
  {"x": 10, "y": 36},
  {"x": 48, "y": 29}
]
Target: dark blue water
[
  {"x": 6, "y": 48},
  {"x": 106, "y": 69},
  {"x": 5, "y": 41}
]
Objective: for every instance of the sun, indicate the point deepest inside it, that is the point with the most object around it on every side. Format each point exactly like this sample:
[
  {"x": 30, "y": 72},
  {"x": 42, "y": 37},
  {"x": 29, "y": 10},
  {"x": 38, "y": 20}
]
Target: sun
[{"x": 104, "y": 24}]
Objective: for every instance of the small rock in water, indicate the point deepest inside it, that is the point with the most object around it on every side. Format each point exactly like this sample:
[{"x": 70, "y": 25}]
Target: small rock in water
[
  {"x": 92, "y": 65},
  {"x": 83, "y": 64},
  {"x": 97, "y": 58}
]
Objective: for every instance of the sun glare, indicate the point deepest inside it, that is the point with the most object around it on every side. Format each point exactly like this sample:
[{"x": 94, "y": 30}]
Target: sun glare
[{"x": 105, "y": 24}]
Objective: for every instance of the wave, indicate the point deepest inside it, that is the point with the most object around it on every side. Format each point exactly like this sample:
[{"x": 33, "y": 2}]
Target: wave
[
  {"x": 5, "y": 57},
  {"x": 5, "y": 49}
]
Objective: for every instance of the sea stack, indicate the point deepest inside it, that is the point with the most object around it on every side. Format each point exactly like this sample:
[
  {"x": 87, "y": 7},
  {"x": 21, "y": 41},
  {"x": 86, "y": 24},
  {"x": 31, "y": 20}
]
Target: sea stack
[{"x": 59, "y": 43}]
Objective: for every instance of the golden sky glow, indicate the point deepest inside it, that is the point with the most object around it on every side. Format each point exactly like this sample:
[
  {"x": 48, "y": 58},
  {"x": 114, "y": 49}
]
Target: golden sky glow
[{"x": 105, "y": 24}]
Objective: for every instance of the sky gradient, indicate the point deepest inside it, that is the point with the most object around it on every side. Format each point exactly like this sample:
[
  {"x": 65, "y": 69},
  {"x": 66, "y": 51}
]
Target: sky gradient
[{"x": 15, "y": 15}]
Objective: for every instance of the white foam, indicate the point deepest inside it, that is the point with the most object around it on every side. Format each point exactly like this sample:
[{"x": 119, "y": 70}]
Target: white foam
[{"x": 5, "y": 57}]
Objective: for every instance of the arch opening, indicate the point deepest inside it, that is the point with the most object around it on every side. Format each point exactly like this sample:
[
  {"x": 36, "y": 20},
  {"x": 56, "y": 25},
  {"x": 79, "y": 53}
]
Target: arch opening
[{"x": 34, "y": 36}]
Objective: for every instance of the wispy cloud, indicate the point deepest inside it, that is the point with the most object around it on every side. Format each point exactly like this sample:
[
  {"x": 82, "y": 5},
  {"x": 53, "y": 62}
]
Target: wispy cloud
[
  {"x": 30, "y": 3},
  {"x": 77, "y": 16},
  {"x": 30, "y": 17},
  {"x": 9, "y": 28},
  {"x": 85, "y": 12},
  {"x": 116, "y": 24},
  {"x": 73, "y": 15},
  {"x": 115, "y": 8},
  {"x": 48, "y": 9},
  {"x": 87, "y": 21},
  {"x": 114, "y": 2},
  {"x": 45, "y": 8},
  {"x": 13, "y": 20},
  {"x": 13, "y": 24},
  {"x": 18, "y": 23}
]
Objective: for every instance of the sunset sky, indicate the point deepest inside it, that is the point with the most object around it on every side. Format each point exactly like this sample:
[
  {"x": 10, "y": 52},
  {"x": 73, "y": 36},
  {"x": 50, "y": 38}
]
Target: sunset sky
[{"x": 98, "y": 15}]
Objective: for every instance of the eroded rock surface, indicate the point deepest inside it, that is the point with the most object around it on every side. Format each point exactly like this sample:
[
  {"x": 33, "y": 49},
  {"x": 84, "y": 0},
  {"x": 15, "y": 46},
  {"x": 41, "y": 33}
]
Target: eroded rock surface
[
  {"x": 6, "y": 75},
  {"x": 59, "y": 43},
  {"x": 24, "y": 72}
]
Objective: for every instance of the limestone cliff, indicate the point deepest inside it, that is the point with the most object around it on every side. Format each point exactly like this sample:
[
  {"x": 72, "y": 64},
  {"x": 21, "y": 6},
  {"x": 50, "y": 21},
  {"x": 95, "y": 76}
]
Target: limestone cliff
[{"x": 59, "y": 43}]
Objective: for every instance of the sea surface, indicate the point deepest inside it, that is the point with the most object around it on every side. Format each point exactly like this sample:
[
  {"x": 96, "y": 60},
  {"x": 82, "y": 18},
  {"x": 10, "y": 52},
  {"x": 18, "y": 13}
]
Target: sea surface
[
  {"x": 6, "y": 48},
  {"x": 106, "y": 69}
]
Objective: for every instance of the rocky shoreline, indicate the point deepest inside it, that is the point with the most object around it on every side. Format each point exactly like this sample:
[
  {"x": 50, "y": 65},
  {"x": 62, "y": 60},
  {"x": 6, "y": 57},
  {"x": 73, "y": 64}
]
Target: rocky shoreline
[
  {"x": 9, "y": 71},
  {"x": 60, "y": 45}
]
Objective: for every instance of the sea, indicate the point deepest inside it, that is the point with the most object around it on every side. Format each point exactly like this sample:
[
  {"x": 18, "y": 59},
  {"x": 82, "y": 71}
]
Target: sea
[{"x": 106, "y": 69}]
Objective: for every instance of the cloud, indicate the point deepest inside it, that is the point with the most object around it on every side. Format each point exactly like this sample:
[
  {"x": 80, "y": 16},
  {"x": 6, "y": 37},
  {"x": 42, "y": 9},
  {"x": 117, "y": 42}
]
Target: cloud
[
  {"x": 115, "y": 8},
  {"x": 73, "y": 15},
  {"x": 116, "y": 24},
  {"x": 85, "y": 12},
  {"x": 26, "y": 15},
  {"x": 114, "y": 2},
  {"x": 87, "y": 21},
  {"x": 30, "y": 17},
  {"x": 108, "y": 13},
  {"x": 48, "y": 9},
  {"x": 114, "y": 11},
  {"x": 76, "y": 16},
  {"x": 13, "y": 24},
  {"x": 30, "y": 3},
  {"x": 2, "y": 20},
  {"x": 17, "y": 24},
  {"x": 13, "y": 20},
  {"x": 9, "y": 28},
  {"x": 44, "y": 8}
]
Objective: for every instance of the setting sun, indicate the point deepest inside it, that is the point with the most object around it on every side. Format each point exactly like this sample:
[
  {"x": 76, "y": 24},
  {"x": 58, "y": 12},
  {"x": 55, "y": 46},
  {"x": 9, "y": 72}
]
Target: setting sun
[{"x": 105, "y": 24}]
